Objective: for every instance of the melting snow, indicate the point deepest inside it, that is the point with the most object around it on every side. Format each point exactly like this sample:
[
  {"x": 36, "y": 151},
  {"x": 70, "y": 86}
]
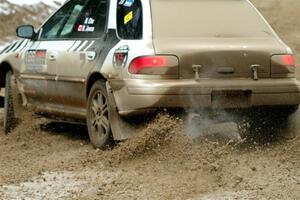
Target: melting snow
[
  {"x": 28, "y": 2},
  {"x": 5, "y": 9}
]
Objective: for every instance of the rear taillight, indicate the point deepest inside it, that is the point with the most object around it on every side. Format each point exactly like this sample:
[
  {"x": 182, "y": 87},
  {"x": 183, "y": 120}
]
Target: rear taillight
[
  {"x": 283, "y": 65},
  {"x": 284, "y": 60},
  {"x": 154, "y": 65}
]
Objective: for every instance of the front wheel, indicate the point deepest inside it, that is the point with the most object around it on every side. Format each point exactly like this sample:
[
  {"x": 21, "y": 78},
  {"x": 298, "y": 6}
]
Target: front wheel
[
  {"x": 9, "y": 112},
  {"x": 98, "y": 123}
]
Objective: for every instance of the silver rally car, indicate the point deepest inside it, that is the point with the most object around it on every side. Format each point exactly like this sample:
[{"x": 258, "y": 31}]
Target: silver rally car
[{"x": 99, "y": 61}]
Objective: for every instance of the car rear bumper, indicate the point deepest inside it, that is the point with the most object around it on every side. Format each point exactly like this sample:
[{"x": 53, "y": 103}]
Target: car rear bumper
[{"x": 136, "y": 95}]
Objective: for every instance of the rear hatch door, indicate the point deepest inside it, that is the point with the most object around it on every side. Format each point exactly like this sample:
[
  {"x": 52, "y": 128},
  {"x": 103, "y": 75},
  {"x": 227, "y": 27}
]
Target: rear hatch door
[{"x": 222, "y": 37}]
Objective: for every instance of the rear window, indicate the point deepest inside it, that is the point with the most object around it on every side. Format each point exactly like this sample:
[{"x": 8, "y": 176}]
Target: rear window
[
  {"x": 206, "y": 18},
  {"x": 130, "y": 19}
]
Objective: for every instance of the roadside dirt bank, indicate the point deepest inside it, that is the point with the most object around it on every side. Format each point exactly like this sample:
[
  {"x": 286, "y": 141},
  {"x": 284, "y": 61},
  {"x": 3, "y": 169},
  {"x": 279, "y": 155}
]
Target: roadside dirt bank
[{"x": 44, "y": 160}]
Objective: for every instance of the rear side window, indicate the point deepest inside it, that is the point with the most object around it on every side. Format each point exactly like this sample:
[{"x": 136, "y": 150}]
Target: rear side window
[{"x": 130, "y": 19}]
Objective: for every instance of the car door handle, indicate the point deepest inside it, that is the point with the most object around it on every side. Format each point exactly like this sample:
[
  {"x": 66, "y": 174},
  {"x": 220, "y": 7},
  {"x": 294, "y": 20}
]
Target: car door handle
[
  {"x": 91, "y": 55},
  {"x": 52, "y": 57}
]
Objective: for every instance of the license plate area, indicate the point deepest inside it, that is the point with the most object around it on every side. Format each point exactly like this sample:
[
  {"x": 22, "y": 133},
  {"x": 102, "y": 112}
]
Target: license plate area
[{"x": 231, "y": 98}]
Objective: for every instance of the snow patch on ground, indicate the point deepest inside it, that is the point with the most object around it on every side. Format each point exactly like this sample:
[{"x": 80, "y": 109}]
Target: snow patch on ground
[
  {"x": 5, "y": 9},
  {"x": 5, "y": 44},
  {"x": 28, "y": 2},
  {"x": 227, "y": 195},
  {"x": 56, "y": 185}
]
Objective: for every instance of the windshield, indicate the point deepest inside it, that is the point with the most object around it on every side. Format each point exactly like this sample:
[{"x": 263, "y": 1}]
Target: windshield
[{"x": 207, "y": 18}]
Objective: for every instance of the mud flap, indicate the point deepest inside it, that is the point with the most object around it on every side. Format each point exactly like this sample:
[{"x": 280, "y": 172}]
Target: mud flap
[
  {"x": 23, "y": 99},
  {"x": 121, "y": 129},
  {"x": 1, "y": 101}
]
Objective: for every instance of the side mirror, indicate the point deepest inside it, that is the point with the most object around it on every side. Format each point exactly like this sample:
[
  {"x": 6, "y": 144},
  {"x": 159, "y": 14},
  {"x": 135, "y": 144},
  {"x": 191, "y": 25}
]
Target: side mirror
[{"x": 26, "y": 31}]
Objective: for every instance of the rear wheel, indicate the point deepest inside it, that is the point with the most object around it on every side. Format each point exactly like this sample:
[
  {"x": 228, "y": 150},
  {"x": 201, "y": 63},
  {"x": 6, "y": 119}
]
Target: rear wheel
[
  {"x": 267, "y": 123},
  {"x": 9, "y": 112},
  {"x": 290, "y": 109},
  {"x": 98, "y": 122}
]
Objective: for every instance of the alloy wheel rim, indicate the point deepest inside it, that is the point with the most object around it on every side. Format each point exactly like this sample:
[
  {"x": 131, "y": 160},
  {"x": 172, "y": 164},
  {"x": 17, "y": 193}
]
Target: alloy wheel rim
[{"x": 99, "y": 115}]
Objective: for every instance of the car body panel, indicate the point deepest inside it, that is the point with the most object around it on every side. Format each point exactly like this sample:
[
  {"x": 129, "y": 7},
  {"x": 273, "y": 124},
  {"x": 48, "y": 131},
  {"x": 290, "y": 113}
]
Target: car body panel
[
  {"x": 225, "y": 45},
  {"x": 213, "y": 54}
]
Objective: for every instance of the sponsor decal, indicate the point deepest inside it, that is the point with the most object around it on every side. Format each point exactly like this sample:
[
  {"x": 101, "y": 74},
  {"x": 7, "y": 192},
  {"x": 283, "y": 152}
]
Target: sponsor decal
[
  {"x": 128, "y": 17},
  {"x": 41, "y": 54},
  {"x": 80, "y": 28},
  {"x": 121, "y": 2},
  {"x": 120, "y": 57},
  {"x": 128, "y": 3}
]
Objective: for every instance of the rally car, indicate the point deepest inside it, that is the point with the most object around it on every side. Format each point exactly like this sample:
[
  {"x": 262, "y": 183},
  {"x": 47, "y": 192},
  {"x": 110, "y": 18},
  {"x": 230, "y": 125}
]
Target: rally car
[{"x": 99, "y": 61}]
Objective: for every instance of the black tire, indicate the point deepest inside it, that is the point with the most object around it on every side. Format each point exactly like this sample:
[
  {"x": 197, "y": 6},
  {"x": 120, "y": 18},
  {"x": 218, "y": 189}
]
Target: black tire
[
  {"x": 277, "y": 111},
  {"x": 98, "y": 122},
  {"x": 291, "y": 109},
  {"x": 9, "y": 112},
  {"x": 269, "y": 123}
]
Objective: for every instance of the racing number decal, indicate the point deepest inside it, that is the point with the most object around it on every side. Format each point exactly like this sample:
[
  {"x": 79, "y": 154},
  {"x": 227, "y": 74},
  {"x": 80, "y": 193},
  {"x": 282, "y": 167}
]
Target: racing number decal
[
  {"x": 36, "y": 57},
  {"x": 35, "y": 60},
  {"x": 121, "y": 57}
]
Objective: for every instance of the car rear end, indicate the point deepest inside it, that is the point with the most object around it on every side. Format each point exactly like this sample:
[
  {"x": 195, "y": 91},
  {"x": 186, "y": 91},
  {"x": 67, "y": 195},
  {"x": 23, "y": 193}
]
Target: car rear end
[{"x": 210, "y": 53}]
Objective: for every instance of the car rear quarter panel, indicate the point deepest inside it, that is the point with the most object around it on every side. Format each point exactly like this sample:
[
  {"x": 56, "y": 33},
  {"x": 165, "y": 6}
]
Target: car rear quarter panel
[{"x": 136, "y": 48}]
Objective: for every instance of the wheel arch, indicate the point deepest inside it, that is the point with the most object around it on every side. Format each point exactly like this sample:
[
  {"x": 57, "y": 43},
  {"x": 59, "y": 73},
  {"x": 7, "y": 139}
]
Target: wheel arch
[
  {"x": 96, "y": 76},
  {"x": 4, "y": 68}
]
